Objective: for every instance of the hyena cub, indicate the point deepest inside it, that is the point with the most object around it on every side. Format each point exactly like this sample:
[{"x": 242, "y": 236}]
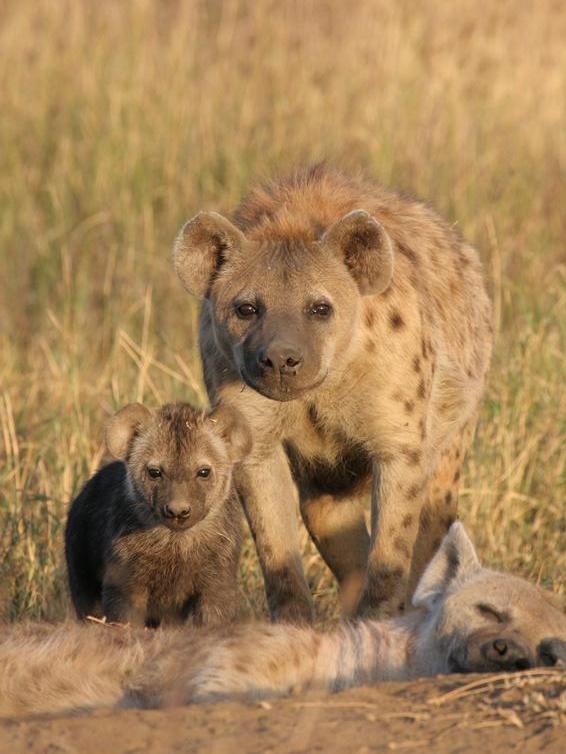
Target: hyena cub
[{"x": 156, "y": 535}]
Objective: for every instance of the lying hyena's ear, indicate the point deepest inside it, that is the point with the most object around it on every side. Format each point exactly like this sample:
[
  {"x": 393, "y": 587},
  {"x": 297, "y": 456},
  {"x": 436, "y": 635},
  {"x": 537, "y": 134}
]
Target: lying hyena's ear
[
  {"x": 456, "y": 559},
  {"x": 366, "y": 249},
  {"x": 200, "y": 248},
  {"x": 234, "y": 430},
  {"x": 123, "y": 427}
]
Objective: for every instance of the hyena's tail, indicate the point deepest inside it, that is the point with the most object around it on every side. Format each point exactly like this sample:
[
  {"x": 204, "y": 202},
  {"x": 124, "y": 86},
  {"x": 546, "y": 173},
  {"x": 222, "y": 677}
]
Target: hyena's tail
[{"x": 44, "y": 669}]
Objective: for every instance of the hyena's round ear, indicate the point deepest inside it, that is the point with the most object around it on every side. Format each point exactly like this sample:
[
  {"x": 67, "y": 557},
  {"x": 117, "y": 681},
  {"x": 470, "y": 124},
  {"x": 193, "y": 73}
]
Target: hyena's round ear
[
  {"x": 201, "y": 247},
  {"x": 366, "y": 249},
  {"x": 123, "y": 427},
  {"x": 229, "y": 423},
  {"x": 455, "y": 560}
]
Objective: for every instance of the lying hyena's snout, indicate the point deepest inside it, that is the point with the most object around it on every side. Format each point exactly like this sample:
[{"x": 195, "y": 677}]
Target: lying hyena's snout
[
  {"x": 552, "y": 653},
  {"x": 506, "y": 653},
  {"x": 493, "y": 652}
]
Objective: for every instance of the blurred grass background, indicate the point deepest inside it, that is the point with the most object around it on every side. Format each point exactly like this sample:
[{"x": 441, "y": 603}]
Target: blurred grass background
[{"x": 121, "y": 119}]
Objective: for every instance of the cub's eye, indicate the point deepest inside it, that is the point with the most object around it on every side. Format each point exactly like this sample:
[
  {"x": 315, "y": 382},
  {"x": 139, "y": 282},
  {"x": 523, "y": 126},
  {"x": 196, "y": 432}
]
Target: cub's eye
[
  {"x": 203, "y": 472},
  {"x": 321, "y": 309},
  {"x": 246, "y": 310},
  {"x": 491, "y": 613},
  {"x": 154, "y": 472}
]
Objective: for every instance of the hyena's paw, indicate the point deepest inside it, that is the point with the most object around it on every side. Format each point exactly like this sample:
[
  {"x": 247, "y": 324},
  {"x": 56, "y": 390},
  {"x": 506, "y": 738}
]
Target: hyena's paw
[
  {"x": 384, "y": 594},
  {"x": 294, "y": 611},
  {"x": 289, "y": 599}
]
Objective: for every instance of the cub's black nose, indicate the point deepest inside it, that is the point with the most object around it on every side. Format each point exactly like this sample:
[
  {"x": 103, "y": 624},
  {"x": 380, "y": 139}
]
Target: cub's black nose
[
  {"x": 507, "y": 654},
  {"x": 176, "y": 512}
]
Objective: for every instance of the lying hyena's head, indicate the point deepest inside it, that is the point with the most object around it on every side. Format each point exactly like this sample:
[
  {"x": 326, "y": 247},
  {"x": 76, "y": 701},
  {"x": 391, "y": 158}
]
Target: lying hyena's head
[
  {"x": 179, "y": 459},
  {"x": 283, "y": 309},
  {"x": 480, "y": 620}
]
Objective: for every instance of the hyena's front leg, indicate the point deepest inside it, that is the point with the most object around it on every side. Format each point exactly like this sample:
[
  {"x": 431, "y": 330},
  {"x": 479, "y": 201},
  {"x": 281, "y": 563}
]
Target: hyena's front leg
[
  {"x": 397, "y": 496},
  {"x": 338, "y": 529},
  {"x": 440, "y": 507},
  {"x": 269, "y": 494}
]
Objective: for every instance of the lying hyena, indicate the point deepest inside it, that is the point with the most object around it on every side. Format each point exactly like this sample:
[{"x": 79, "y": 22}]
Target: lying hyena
[
  {"x": 468, "y": 619},
  {"x": 360, "y": 322}
]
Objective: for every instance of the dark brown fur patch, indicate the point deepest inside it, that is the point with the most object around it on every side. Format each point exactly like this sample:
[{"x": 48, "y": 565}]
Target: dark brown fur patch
[
  {"x": 417, "y": 364},
  {"x": 421, "y": 390},
  {"x": 407, "y": 521},
  {"x": 370, "y": 318},
  {"x": 315, "y": 419},
  {"x": 402, "y": 547},
  {"x": 413, "y": 455},
  {"x": 396, "y": 320},
  {"x": 448, "y": 498},
  {"x": 413, "y": 491},
  {"x": 409, "y": 406},
  {"x": 457, "y": 476},
  {"x": 408, "y": 253}
]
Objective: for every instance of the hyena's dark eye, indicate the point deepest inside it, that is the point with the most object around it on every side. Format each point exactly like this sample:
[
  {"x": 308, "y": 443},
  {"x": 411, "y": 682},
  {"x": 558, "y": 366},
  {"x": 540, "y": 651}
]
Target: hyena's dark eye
[
  {"x": 489, "y": 612},
  {"x": 321, "y": 309},
  {"x": 154, "y": 472},
  {"x": 203, "y": 472},
  {"x": 245, "y": 310}
]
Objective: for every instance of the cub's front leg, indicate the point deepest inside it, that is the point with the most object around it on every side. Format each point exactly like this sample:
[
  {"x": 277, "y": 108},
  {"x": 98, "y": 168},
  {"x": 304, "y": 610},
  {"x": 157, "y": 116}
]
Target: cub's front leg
[
  {"x": 216, "y": 605},
  {"x": 120, "y": 602}
]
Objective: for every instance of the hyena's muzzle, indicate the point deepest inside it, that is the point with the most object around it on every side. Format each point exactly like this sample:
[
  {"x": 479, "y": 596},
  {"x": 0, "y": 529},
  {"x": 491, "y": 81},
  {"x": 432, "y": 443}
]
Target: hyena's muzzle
[{"x": 505, "y": 651}]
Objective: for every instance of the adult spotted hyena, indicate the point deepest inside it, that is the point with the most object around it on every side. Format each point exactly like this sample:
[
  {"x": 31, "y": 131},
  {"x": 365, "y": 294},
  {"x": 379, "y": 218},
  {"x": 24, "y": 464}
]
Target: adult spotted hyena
[{"x": 351, "y": 326}]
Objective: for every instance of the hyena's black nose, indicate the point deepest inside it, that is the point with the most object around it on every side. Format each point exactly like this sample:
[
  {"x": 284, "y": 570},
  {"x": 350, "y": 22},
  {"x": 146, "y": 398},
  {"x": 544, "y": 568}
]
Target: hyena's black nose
[
  {"x": 507, "y": 654},
  {"x": 281, "y": 357},
  {"x": 176, "y": 511},
  {"x": 552, "y": 652}
]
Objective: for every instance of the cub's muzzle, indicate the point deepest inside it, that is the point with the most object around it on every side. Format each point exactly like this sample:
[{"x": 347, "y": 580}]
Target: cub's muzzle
[{"x": 177, "y": 515}]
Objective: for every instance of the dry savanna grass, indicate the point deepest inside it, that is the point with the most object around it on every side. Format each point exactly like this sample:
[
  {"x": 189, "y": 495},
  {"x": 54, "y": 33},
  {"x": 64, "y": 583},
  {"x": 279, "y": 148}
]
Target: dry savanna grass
[{"x": 120, "y": 120}]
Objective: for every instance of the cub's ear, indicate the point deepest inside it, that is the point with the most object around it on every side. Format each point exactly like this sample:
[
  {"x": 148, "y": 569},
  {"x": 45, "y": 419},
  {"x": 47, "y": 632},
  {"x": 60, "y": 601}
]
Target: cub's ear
[
  {"x": 200, "y": 248},
  {"x": 123, "y": 427},
  {"x": 229, "y": 423},
  {"x": 366, "y": 249},
  {"x": 456, "y": 559}
]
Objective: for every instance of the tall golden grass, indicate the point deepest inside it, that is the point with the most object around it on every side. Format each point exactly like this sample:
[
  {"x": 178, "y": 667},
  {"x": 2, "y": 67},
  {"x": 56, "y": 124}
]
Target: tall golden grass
[{"x": 121, "y": 119}]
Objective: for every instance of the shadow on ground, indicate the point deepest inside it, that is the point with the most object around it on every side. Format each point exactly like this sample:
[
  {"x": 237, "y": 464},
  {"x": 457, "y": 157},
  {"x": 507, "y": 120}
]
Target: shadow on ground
[{"x": 524, "y": 712}]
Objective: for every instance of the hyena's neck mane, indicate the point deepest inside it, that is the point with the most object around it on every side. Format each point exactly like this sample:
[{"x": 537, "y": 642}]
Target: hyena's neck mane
[{"x": 302, "y": 205}]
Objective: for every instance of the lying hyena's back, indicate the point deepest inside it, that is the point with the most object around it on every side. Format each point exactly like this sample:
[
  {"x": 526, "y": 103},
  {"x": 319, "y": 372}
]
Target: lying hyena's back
[{"x": 51, "y": 669}]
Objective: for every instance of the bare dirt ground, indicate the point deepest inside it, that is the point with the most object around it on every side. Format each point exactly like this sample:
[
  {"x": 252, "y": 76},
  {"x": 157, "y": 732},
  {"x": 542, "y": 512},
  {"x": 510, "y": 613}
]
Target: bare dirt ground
[{"x": 522, "y": 713}]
